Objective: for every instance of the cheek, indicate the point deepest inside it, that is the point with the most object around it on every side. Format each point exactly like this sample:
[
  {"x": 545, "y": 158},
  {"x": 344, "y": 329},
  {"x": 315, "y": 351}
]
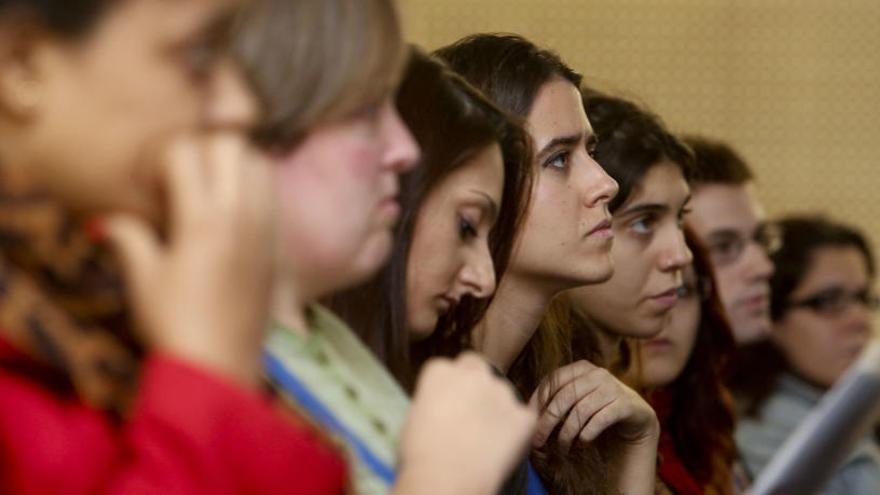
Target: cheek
[
  {"x": 432, "y": 259},
  {"x": 632, "y": 268}
]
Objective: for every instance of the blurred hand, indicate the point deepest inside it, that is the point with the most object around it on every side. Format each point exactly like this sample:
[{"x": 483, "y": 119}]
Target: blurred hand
[
  {"x": 588, "y": 400},
  {"x": 202, "y": 294},
  {"x": 465, "y": 432}
]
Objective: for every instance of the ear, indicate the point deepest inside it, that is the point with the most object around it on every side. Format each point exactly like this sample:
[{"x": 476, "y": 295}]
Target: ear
[{"x": 23, "y": 50}]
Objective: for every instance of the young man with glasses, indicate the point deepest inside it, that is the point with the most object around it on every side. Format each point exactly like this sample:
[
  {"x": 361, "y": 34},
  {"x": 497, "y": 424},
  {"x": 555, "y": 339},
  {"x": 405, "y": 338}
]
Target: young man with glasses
[{"x": 729, "y": 219}]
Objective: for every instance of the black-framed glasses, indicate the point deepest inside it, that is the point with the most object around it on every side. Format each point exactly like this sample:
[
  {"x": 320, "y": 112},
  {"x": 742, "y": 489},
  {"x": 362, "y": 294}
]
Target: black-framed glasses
[
  {"x": 834, "y": 301},
  {"x": 726, "y": 248}
]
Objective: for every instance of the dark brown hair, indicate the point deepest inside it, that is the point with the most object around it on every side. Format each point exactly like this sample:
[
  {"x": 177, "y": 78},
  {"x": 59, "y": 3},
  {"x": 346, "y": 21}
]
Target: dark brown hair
[
  {"x": 508, "y": 68},
  {"x": 511, "y": 71},
  {"x": 452, "y": 122},
  {"x": 717, "y": 163},
  {"x": 630, "y": 141},
  {"x": 68, "y": 18},
  {"x": 702, "y": 419}
]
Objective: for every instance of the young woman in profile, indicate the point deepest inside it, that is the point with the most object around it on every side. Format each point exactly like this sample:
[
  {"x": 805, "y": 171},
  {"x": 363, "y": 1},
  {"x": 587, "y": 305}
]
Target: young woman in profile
[
  {"x": 126, "y": 121},
  {"x": 339, "y": 147},
  {"x": 565, "y": 242},
  {"x": 652, "y": 168},
  {"x": 682, "y": 370}
]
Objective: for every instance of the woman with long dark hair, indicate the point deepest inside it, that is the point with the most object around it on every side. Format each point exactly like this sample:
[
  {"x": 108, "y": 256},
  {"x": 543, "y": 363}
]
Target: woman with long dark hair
[
  {"x": 462, "y": 204},
  {"x": 565, "y": 243},
  {"x": 652, "y": 168},
  {"x": 682, "y": 370}
]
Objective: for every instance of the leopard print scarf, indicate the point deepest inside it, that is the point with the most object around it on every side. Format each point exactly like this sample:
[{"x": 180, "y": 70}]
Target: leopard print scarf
[{"x": 61, "y": 299}]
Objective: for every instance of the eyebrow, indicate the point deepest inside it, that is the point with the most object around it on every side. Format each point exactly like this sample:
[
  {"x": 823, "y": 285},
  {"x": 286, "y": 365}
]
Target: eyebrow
[
  {"x": 645, "y": 208},
  {"x": 490, "y": 206},
  {"x": 568, "y": 141},
  {"x": 724, "y": 234}
]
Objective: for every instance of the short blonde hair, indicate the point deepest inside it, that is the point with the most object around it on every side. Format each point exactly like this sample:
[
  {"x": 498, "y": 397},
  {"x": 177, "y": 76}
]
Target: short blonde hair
[{"x": 317, "y": 61}]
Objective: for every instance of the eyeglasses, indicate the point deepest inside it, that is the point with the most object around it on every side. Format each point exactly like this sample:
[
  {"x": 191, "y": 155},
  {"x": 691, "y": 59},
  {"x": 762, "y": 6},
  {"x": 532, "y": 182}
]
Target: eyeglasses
[
  {"x": 835, "y": 301},
  {"x": 727, "y": 248}
]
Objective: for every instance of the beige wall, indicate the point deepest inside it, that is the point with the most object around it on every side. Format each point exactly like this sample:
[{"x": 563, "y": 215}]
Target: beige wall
[{"x": 794, "y": 84}]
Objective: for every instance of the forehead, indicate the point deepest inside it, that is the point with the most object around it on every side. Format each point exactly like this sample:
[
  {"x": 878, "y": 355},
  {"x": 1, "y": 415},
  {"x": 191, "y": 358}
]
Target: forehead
[
  {"x": 482, "y": 174},
  {"x": 662, "y": 184},
  {"x": 843, "y": 266},
  {"x": 724, "y": 207},
  {"x": 557, "y": 111},
  {"x": 167, "y": 17}
]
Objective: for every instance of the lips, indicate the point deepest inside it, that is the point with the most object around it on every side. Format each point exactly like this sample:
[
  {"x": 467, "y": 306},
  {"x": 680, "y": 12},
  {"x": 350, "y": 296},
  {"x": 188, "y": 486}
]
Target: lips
[
  {"x": 757, "y": 302},
  {"x": 667, "y": 298},
  {"x": 601, "y": 230},
  {"x": 447, "y": 303},
  {"x": 390, "y": 208}
]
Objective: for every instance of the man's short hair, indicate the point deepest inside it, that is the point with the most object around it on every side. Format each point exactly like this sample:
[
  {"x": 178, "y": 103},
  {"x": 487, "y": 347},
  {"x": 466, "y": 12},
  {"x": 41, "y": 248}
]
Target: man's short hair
[{"x": 717, "y": 163}]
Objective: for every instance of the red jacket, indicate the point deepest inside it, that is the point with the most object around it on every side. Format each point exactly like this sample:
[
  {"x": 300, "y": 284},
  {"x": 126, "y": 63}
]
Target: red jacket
[{"x": 190, "y": 432}]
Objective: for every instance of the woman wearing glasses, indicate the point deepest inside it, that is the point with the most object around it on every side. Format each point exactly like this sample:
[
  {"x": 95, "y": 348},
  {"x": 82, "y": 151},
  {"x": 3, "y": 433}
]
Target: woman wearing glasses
[{"x": 822, "y": 307}]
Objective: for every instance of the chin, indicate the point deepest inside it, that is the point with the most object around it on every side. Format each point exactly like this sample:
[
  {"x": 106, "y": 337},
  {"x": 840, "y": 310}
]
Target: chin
[
  {"x": 372, "y": 256},
  {"x": 418, "y": 332},
  {"x": 643, "y": 331},
  {"x": 595, "y": 271},
  {"x": 753, "y": 331}
]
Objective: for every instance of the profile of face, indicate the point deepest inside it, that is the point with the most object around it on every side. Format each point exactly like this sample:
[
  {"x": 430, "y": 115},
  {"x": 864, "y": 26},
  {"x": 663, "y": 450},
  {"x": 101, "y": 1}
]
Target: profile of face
[
  {"x": 664, "y": 356},
  {"x": 566, "y": 237},
  {"x": 650, "y": 254},
  {"x": 87, "y": 114},
  {"x": 828, "y": 320},
  {"x": 729, "y": 220},
  {"x": 449, "y": 257},
  {"x": 338, "y": 199}
]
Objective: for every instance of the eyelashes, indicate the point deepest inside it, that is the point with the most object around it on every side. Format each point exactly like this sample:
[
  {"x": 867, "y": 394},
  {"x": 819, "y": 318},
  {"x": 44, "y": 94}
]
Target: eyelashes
[
  {"x": 466, "y": 229},
  {"x": 559, "y": 161}
]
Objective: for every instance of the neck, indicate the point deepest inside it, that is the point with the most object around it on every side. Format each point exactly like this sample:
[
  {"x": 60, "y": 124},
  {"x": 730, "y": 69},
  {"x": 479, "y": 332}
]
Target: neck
[
  {"x": 289, "y": 307},
  {"x": 511, "y": 320},
  {"x": 609, "y": 345}
]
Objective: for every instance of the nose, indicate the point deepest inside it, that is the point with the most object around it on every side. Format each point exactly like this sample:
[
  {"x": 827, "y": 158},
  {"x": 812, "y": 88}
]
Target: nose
[
  {"x": 477, "y": 276},
  {"x": 676, "y": 254},
  {"x": 758, "y": 265},
  {"x": 857, "y": 318},
  {"x": 602, "y": 187},
  {"x": 231, "y": 102},
  {"x": 402, "y": 152}
]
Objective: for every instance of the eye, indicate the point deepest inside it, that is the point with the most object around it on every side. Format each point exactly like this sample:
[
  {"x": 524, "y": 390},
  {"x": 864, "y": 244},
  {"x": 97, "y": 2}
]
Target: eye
[
  {"x": 725, "y": 247},
  {"x": 200, "y": 58},
  {"x": 369, "y": 111},
  {"x": 558, "y": 161},
  {"x": 466, "y": 228},
  {"x": 683, "y": 213},
  {"x": 592, "y": 144},
  {"x": 643, "y": 225}
]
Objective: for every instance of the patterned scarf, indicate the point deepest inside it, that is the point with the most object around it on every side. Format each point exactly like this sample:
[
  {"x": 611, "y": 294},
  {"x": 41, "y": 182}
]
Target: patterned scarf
[{"x": 61, "y": 299}]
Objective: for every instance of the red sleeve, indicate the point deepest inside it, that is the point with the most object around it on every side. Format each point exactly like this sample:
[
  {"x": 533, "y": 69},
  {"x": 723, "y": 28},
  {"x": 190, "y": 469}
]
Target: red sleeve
[{"x": 190, "y": 433}]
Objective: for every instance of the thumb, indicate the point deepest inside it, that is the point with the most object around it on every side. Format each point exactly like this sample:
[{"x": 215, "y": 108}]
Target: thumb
[{"x": 137, "y": 247}]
